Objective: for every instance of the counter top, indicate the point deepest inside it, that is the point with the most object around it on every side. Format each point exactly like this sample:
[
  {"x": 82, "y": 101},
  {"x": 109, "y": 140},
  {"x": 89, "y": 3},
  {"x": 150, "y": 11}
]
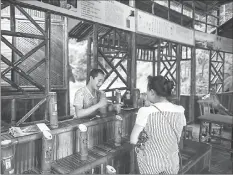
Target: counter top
[{"x": 68, "y": 125}]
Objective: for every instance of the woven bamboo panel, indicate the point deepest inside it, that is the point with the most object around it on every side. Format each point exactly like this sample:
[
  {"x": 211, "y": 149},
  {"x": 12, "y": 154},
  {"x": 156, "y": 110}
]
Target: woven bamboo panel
[{"x": 57, "y": 52}]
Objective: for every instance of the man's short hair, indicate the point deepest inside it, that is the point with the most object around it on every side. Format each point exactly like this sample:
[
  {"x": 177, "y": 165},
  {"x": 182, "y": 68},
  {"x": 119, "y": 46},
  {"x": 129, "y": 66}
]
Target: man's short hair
[{"x": 94, "y": 73}]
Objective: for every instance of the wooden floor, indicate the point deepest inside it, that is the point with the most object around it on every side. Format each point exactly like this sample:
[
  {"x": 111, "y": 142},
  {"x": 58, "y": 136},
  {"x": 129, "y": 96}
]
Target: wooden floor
[{"x": 221, "y": 161}]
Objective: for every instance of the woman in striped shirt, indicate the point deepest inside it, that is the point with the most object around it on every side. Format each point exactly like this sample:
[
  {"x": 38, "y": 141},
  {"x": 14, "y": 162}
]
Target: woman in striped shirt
[{"x": 161, "y": 123}]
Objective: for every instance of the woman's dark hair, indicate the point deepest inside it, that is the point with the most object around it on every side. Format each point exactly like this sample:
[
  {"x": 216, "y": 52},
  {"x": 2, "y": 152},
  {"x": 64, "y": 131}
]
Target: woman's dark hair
[
  {"x": 94, "y": 73},
  {"x": 161, "y": 85}
]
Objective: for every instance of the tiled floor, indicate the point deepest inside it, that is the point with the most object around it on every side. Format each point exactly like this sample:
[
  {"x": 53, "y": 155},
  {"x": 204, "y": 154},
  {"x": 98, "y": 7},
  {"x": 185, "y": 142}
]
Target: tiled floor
[{"x": 221, "y": 160}]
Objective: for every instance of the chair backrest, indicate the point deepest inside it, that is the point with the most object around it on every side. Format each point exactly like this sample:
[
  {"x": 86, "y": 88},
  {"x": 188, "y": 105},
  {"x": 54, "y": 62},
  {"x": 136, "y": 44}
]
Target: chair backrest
[{"x": 205, "y": 107}]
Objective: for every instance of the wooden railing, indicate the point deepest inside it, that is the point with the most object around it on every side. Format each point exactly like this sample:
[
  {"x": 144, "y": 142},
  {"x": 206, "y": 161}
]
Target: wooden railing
[{"x": 28, "y": 148}]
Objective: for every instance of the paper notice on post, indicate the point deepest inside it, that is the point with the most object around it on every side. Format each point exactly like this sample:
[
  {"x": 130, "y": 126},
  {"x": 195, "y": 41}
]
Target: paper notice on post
[{"x": 43, "y": 127}]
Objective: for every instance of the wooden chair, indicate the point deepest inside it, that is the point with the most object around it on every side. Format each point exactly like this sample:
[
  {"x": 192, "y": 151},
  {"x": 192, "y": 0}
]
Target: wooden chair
[{"x": 206, "y": 107}]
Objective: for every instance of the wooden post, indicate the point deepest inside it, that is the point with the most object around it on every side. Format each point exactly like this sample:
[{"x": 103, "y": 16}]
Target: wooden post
[
  {"x": 182, "y": 11},
  {"x": 159, "y": 58},
  {"x": 66, "y": 67},
  {"x": 88, "y": 58},
  {"x": 206, "y": 19},
  {"x": 193, "y": 85},
  {"x": 178, "y": 60},
  {"x": 95, "y": 45},
  {"x": 168, "y": 12},
  {"x": 210, "y": 62},
  {"x": 133, "y": 54},
  {"x": 53, "y": 110},
  {"x": 13, "y": 29},
  {"x": 47, "y": 150},
  {"x": 218, "y": 21},
  {"x": 47, "y": 59},
  {"x": 193, "y": 15},
  {"x": 33, "y": 117},
  {"x": 154, "y": 61},
  {"x": 83, "y": 141},
  {"x": 13, "y": 111}
]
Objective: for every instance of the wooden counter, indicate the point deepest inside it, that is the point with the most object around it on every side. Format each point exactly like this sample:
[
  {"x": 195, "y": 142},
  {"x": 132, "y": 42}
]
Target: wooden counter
[{"x": 28, "y": 148}]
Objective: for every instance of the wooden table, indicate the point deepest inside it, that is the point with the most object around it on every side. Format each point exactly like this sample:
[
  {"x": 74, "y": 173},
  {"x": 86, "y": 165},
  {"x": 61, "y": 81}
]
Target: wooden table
[{"x": 226, "y": 120}]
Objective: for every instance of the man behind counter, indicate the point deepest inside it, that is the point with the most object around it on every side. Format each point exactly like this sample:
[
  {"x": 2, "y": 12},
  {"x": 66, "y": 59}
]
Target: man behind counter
[{"x": 89, "y": 99}]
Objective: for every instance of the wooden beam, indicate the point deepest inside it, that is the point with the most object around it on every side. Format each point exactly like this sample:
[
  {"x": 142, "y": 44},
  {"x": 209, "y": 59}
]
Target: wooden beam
[
  {"x": 4, "y": 5},
  {"x": 20, "y": 34},
  {"x": 159, "y": 58},
  {"x": 169, "y": 8},
  {"x": 66, "y": 67},
  {"x": 47, "y": 60},
  {"x": 22, "y": 73},
  {"x": 23, "y": 58},
  {"x": 14, "y": 85},
  {"x": 88, "y": 58},
  {"x": 95, "y": 45},
  {"x": 30, "y": 112},
  {"x": 28, "y": 97},
  {"x": 193, "y": 86},
  {"x": 13, "y": 112},
  {"x": 30, "y": 19},
  {"x": 114, "y": 68},
  {"x": 11, "y": 46},
  {"x": 13, "y": 29},
  {"x": 36, "y": 66},
  {"x": 178, "y": 70}
]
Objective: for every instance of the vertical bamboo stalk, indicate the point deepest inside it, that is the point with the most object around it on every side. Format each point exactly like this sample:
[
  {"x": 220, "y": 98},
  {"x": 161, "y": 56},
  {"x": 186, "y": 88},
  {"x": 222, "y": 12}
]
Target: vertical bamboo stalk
[
  {"x": 88, "y": 58},
  {"x": 159, "y": 57},
  {"x": 153, "y": 62},
  {"x": 66, "y": 68},
  {"x": 95, "y": 45},
  {"x": 193, "y": 86},
  {"x": 47, "y": 148},
  {"x": 169, "y": 8},
  {"x": 13, "y": 29},
  {"x": 206, "y": 19},
  {"x": 47, "y": 59},
  {"x": 33, "y": 116},
  {"x": 133, "y": 54},
  {"x": 178, "y": 60},
  {"x": 193, "y": 15},
  {"x": 13, "y": 111},
  {"x": 182, "y": 11}
]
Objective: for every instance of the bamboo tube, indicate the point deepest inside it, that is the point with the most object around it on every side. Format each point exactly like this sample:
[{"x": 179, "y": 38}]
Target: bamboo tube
[
  {"x": 53, "y": 110},
  {"x": 83, "y": 142},
  {"x": 118, "y": 130},
  {"x": 46, "y": 157}
]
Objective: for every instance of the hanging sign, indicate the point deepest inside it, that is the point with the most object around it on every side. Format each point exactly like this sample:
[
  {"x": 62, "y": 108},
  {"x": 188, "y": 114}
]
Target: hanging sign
[
  {"x": 107, "y": 12},
  {"x": 158, "y": 27},
  {"x": 214, "y": 42}
]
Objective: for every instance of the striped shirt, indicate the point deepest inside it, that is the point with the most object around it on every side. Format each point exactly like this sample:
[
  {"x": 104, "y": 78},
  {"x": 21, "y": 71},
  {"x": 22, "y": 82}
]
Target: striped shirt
[
  {"x": 161, "y": 149},
  {"x": 84, "y": 98}
]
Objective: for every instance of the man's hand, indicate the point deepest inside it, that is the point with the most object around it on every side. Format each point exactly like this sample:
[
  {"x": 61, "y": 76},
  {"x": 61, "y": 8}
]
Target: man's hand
[{"x": 103, "y": 102}]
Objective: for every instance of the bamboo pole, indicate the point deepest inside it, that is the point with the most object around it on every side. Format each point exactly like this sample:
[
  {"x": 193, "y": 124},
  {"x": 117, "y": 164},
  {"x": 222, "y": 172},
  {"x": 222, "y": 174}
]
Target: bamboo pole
[
  {"x": 66, "y": 61},
  {"x": 95, "y": 45},
  {"x": 178, "y": 70},
  {"x": 47, "y": 60},
  {"x": 30, "y": 112},
  {"x": 20, "y": 34},
  {"x": 159, "y": 58},
  {"x": 88, "y": 58},
  {"x": 13, "y": 112},
  {"x": 13, "y": 29},
  {"x": 193, "y": 86}
]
